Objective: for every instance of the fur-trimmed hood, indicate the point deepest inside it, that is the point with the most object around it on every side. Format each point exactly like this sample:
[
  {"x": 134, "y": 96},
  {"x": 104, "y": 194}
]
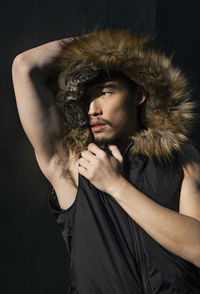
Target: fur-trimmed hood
[{"x": 169, "y": 111}]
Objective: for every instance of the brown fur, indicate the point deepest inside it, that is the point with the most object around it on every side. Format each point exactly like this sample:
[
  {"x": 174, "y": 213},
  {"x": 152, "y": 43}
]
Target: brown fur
[{"x": 169, "y": 111}]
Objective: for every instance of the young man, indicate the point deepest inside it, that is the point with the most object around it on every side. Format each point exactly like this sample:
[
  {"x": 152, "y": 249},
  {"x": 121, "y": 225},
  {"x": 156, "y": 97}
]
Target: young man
[{"x": 111, "y": 136}]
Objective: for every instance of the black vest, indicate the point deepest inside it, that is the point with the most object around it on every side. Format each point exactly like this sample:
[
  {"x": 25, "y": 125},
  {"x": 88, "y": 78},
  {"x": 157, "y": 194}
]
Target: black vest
[{"x": 109, "y": 253}]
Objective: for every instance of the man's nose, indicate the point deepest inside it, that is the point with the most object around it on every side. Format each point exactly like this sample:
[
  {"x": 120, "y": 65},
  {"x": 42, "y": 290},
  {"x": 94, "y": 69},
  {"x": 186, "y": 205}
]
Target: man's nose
[{"x": 94, "y": 107}]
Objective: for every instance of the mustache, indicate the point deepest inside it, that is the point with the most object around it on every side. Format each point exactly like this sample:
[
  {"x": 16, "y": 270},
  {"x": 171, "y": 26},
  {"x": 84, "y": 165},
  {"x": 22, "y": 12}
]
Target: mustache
[{"x": 103, "y": 120}]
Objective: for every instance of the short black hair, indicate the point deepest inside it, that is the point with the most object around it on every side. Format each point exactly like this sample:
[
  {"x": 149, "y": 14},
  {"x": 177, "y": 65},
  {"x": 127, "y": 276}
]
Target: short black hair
[{"x": 105, "y": 76}]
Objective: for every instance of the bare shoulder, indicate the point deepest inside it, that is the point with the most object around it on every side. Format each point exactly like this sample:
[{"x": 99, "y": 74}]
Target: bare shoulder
[
  {"x": 190, "y": 190},
  {"x": 191, "y": 160}
]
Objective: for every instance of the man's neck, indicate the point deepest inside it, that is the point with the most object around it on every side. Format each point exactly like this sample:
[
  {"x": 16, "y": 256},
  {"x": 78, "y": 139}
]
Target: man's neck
[{"x": 122, "y": 144}]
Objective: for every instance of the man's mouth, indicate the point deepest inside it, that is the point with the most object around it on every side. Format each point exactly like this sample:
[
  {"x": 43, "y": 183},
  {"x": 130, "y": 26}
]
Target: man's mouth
[{"x": 97, "y": 126}]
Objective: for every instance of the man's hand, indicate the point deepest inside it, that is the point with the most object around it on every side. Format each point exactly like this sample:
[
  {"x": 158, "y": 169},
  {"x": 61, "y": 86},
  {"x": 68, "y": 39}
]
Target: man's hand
[{"x": 102, "y": 170}]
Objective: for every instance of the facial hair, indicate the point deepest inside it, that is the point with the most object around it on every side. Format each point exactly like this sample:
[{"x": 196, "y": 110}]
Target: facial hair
[{"x": 103, "y": 144}]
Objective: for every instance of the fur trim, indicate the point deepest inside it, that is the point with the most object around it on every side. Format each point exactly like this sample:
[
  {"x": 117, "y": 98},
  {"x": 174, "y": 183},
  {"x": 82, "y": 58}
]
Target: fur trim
[{"x": 169, "y": 111}]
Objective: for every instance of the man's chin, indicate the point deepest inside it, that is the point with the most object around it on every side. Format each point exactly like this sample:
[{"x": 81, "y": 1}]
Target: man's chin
[
  {"x": 102, "y": 141},
  {"x": 103, "y": 144}
]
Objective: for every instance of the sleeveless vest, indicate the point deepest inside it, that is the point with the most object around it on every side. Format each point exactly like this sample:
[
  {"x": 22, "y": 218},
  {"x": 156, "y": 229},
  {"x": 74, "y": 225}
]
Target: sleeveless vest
[{"x": 111, "y": 254}]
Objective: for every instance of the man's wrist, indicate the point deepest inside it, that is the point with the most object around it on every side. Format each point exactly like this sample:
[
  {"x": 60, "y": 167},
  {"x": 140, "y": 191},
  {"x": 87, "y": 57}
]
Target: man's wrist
[{"x": 117, "y": 187}]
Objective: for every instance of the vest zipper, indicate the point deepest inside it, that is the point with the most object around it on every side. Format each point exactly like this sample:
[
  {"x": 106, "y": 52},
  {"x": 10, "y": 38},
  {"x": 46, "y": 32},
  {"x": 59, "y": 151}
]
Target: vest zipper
[{"x": 141, "y": 263}]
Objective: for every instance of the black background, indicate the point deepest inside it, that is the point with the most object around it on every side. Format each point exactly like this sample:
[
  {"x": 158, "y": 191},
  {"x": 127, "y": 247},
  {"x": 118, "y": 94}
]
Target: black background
[{"x": 33, "y": 257}]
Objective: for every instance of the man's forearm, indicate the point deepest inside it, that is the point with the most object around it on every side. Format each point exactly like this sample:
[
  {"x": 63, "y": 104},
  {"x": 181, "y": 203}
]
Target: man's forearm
[
  {"x": 39, "y": 57},
  {"x": 176, "y": 232},
  {"x": 39, "y": 115}
]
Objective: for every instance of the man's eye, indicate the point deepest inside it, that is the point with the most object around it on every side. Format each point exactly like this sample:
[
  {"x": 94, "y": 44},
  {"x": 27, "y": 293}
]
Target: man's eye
[{"x": 105, "y": 93}]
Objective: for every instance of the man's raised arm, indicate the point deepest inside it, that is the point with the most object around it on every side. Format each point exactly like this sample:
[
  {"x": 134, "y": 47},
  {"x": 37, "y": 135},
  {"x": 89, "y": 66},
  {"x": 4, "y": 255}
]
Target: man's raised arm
[{"x": 38, "y": 113}]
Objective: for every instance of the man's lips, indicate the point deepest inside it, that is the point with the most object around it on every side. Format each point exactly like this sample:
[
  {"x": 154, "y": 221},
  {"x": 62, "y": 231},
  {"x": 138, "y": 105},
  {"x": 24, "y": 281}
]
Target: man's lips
[{"x": 97, "y": 126}]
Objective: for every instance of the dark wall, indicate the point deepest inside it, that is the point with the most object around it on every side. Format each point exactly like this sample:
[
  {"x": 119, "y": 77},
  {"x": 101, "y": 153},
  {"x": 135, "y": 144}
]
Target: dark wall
[
  {"x": 33, "y": 258},
  {"x": 177, "y": 26}
]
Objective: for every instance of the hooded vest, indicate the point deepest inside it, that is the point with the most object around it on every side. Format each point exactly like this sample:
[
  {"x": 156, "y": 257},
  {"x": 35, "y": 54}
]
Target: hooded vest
[{"x": 108, "y": 252}]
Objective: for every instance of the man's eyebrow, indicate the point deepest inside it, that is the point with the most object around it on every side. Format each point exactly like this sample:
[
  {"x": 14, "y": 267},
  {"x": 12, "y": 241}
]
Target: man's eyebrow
[{"x": 106, "y": 86}]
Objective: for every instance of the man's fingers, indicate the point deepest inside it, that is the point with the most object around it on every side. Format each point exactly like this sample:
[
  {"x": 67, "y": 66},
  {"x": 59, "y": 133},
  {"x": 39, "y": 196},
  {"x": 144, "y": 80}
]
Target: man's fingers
[
  {"x": 88, "y": 155},
  {"x": 96, "y": 150},
  {"x": 84, "y": 163},
  {"x": 116, "y": 153},
  {"x": 100, "y": 153},
  {"x": 82, "y": 171}
]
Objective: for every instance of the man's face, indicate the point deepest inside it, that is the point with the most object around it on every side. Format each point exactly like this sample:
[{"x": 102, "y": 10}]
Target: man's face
[{"x": 110, "y": 113}]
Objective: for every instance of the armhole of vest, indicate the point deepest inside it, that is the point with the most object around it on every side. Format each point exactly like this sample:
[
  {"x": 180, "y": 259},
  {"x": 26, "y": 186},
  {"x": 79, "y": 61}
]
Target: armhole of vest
[{"x": 53, "y": 203}]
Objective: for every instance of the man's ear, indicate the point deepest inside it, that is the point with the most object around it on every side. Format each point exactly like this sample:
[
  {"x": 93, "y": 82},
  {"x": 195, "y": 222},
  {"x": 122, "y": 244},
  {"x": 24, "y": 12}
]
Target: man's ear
[
  {"x": 141, "y": 99},
  {"x": 140, "y": 95}
]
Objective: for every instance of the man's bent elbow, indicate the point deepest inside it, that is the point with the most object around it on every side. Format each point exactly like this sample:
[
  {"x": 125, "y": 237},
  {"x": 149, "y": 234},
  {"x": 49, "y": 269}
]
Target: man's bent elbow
[{"x": 21, "y": 64}]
